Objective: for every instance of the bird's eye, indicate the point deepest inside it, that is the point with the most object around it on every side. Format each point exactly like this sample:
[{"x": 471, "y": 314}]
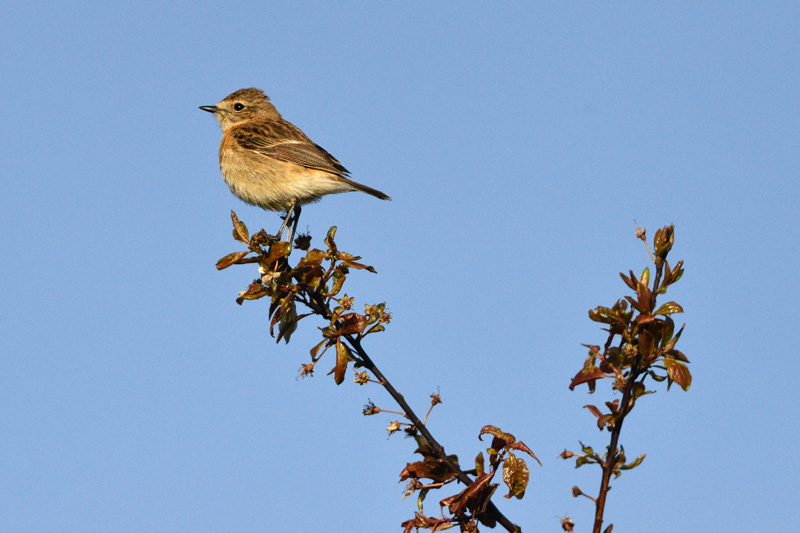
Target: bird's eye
[{"x": 238, "y": 107}]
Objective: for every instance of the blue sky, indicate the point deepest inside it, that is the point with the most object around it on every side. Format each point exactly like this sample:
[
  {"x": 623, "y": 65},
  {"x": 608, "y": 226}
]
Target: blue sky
[{"x": 519, "y": 142}]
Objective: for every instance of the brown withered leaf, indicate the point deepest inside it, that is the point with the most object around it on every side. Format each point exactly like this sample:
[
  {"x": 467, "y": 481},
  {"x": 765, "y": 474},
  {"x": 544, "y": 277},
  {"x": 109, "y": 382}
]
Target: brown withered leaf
[
  {"x": 417, "y": 470},
  {"x": 678, "y": 372},
  {"x": 677, "y": 272},
  {"x": 313, "y": 257},
  {"x": 667, "y": 275},
  {"x": 611, "y": 362},
  {"x": 636, "y": 305},
  {"x": 316, "y": 348},
  {"x": 643, "y": 295},
  {"x": 671, "y": 344},
  {"x": 603, "y": 314},
  {"x": 352, "y": 323},
  {"x": 521, "y": 446},
  {"x": 479, "y": 464},
  {"x": 629, "y": 281},
  {"x": 602, "y": 419},
  {"x": 254, "y": 292},
  {"x": 309, "y": 275},
  {"x": 359, "y": 266},
  {"x": 515, "y": 476},
  {"x": 424, "y": 522},
  {"x": 274, "y": 305},
  {"x": 424, "y": 448},
  {"x": 338, "y": 281},
  {"x": 474, "y": 497},
  {"x": 260, "y": 238},
  {"x": 504, "y": 438},
  {"x": 230, "y": 259},
  {"x": 291, "y": 326},
  {"x": 680, "y": 356},
  {"x": 587, "y": 374},
  {"x": 288, "y": 322},
  {"x": 280, "y": 308},
  {"x": 239, "y": 229},
  {"x": 431, "y": 468},
  {"x": 667, "y": 331},
  {"x": 278, "y": 250},
  {"x": 646, "y": 343}
]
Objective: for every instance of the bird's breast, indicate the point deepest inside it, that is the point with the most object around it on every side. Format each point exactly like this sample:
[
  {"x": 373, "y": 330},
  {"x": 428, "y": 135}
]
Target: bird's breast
[{"x": 273, "y": 184}]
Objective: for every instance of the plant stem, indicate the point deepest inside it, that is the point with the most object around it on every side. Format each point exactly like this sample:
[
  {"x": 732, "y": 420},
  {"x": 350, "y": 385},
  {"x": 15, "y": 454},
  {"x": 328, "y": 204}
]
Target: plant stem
[
  {"x": 317, "y": 304},
  {"x": 613, "y": 452},
  {"x": 492, "y": 510},
  {"x": 613, "y": 455}
]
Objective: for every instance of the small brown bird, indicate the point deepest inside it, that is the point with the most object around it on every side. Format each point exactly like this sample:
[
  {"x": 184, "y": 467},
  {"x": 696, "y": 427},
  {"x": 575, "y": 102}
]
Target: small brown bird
[{"x": 268, "y": 162}]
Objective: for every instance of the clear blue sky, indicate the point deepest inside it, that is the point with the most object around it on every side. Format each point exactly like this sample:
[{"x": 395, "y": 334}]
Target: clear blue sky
[{"x": 519, "y": 143}]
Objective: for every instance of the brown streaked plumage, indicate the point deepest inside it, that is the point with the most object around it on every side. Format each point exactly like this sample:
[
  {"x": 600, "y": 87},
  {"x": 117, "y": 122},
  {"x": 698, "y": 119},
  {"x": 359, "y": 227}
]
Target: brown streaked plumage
[{"x": 269, "y": 162}]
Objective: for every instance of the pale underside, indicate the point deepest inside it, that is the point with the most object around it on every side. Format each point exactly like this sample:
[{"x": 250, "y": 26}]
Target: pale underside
[{"x": 275, "y": 185}]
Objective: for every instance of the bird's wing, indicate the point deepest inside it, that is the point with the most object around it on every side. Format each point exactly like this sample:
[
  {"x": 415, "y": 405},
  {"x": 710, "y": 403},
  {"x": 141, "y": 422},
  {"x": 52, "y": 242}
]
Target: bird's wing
[{"x": 285, "y": 142}]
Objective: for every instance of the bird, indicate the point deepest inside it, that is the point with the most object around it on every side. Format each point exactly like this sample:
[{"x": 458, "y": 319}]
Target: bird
[{"x": 269, "y": 162}]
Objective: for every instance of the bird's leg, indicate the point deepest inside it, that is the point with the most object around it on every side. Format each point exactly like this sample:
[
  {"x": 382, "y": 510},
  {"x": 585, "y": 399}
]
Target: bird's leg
[
  {"x": 289, "y": 213},
  {"x": 292, "y": 213},
  {"x": 296, "y": 212}
]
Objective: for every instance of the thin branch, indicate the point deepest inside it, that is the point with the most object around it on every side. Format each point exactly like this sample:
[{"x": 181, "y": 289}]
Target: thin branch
[
  {"x": 613, "y": 455},
  {"x": 625, "y": 406},
  {"x": 367, "y": 362},
  {"x": 319, "y": 304}
]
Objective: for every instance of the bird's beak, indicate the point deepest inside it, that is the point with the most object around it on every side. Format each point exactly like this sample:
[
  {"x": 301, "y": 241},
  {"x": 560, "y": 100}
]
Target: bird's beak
[{"x": 210, "y": 108}]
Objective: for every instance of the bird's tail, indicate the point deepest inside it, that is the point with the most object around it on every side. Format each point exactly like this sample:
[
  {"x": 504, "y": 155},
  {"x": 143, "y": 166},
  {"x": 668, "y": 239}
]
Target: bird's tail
[{"x": 363, "y": 188}]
